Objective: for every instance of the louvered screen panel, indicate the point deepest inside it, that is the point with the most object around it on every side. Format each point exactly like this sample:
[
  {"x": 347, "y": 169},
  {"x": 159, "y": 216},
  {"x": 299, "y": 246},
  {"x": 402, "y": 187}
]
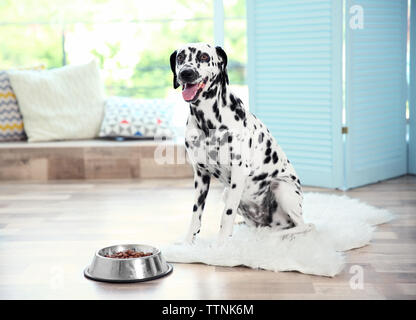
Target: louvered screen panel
[
  {"x": 412, "y": 90},
  {"x": 376, "y": 92},
  {"x": 294, "y": 72}
]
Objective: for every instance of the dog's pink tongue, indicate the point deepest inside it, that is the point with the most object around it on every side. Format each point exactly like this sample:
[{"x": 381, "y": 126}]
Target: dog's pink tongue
[{"x": 190, "y": 91}]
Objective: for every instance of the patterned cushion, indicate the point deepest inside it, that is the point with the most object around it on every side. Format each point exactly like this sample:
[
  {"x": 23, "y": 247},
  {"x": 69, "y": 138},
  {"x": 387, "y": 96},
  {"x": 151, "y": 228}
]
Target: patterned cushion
[
  {"x": 11, "y": 122},
  {"x": 137, "y": 118}
]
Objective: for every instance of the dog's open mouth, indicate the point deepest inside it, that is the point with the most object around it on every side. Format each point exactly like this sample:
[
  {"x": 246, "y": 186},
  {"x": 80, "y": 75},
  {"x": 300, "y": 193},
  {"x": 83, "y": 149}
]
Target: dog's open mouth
[{"x": 190, "y": 91}]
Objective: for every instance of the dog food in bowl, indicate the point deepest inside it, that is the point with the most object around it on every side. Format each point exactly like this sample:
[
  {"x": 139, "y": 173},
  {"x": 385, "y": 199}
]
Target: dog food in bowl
[{"x": 128, "y": 254}]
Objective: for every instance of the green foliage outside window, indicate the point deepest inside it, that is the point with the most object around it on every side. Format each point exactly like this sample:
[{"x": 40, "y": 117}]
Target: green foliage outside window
[{"x": 131, "y": 39}]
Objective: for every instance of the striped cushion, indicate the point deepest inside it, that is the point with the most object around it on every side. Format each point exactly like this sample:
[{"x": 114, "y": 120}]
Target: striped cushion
[{"x": 11, "y": 122}]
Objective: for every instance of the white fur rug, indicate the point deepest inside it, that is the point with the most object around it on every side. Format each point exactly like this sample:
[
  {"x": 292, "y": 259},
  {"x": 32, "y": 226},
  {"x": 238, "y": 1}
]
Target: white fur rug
[{"x": 341, "y": 224}]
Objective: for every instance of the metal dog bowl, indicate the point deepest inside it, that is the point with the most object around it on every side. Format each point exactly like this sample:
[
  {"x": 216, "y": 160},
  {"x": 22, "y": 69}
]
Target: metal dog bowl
[{"x": 129, "y": 269}]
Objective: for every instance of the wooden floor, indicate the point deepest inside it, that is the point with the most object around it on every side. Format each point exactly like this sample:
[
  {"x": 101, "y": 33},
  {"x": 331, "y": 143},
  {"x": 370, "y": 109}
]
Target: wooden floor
[{"x": 50, "y": 231}]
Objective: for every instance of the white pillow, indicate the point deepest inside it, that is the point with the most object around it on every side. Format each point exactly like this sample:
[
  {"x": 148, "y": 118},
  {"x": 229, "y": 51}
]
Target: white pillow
[{"x": 60, "y": 104}]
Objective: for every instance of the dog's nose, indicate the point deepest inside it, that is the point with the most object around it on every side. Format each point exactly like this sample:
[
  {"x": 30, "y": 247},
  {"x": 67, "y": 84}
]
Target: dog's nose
[{"x": 188, "y": 75}]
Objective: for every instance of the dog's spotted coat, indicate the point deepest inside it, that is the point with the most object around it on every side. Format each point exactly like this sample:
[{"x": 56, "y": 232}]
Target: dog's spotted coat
[{"x": 226, "y": 141}]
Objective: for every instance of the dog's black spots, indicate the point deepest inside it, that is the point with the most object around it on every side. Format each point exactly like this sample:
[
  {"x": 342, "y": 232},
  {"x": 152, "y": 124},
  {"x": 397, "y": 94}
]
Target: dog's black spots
[
  {"x": 200, "y": 216},
  {"x": 233, "y": 104},
  {"x": 198, "y": 173},
  {"x": 283, "y": 170},
  {"x": 200, "y": 117},
  {"x": 205, "y": 179},
  {"x": 196, "y": 103},
  {"x": 195, "y": 207},
  {"x": 275, "y": 157},
  {"x": 214, "y": 81},
  {"x": 288, "y": 161},
  {"x": 198, "y": 65},
  {"x": 216, "y": 175},
  {"x": 261, "y": 137},
  {"x": 269, "y": 143},
  {"x": 267, "y": 159},
  {"x": 210, "y": 125},
  {"x": 238, "y": 157},
  {"x": 230, "y": 148},
  {"x": 273, "y": 206},
  {"x": 236, "y": 118},
  {"x": 230, "y": 138},
  {"x": 202, "y": 197},
  {"x": 210, "y": 93},
  {"x": 240, "y": 163},
  {"x": 245, "y": 123},
  {"x": 268, "y": 151},
  {"x": 255, "y": 127},
  {"x": 196, "y": 184},
  {"x": 275, "y": 173},
  {"x": 229, "y": 211},
  {"x": 216, "y": 111},
  {"x": 223, "y": 127},
  {"x": 241, "y": 113},
  {"x": 190, "y": 57},
  {"x": 264, "y": 184},
  {"x": 249, "y": 142},
  {"x": 223, "y": 92},
  {"x": 192, "y": 111},
  {"x": 293, "y": 177},
  {"x": 232, "y": 155},
  {"x": 192, "y": 49},
  {"x": 186, "y": 144},
  {"x": 201, "y": 165},
  {"x": 198, "y": 231},
  {"x": 233, "y": 186},
  {"x": 260, "y": 177},
  {"x": 297, "y": 192}
]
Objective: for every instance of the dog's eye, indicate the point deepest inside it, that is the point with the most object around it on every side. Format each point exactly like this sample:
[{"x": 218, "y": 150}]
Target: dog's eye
[
  {"x": 180, "y": 58},
  {"x": 204, "y": 57}
]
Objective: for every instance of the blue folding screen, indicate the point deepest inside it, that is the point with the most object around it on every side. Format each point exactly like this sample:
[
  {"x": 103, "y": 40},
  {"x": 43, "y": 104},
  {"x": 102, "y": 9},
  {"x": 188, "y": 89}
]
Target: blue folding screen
[
  {"x": 412, "y": 91},
  {"x": 295, "y": 84},
  {"x": 376, "y": 91},
  {"x": 295, "y": 74}
]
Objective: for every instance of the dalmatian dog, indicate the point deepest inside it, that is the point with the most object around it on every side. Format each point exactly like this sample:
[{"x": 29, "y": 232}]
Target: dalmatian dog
[{"x": 226, "y": 141}]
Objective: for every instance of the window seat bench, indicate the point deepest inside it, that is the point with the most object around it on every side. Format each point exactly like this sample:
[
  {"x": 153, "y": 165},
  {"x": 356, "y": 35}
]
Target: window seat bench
[{"x": 91, "y": 159}]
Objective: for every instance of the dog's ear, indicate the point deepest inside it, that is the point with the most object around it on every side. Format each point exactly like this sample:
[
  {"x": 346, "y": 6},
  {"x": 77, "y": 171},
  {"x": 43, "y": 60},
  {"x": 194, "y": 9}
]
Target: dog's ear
[
  {"x": 221, "y": 53},
  {"x": 173, "y": 67}
]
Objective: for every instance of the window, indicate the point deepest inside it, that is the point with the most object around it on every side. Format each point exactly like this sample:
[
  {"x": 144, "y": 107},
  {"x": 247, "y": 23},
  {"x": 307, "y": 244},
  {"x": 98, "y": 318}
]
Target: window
[{"x": 131, "y": 39}]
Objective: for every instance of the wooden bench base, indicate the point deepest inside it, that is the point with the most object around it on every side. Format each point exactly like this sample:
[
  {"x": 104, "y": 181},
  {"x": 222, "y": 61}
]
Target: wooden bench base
[{"x": 91, "y": 159}]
